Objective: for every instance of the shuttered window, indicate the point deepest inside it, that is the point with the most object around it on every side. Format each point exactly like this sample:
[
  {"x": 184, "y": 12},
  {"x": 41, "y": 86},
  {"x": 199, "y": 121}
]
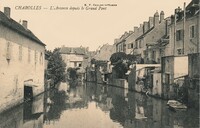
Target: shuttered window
[
  {"x": 192, "y": 31},
  {"x": 179, "y": 35}
]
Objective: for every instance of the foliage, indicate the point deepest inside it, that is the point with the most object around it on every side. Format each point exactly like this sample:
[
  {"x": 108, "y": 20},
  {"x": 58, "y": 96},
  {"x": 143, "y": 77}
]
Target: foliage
[
  {"x": 56, "y": 66},
  {"x": 122, "y": 61},
  {"x": 121, "y": 68},
  {"x": 72, "y": 72},
  {"x": 117, "y": 57},
  {"x": 93, "y": 61},
  {"x": 100, "y": 63}
]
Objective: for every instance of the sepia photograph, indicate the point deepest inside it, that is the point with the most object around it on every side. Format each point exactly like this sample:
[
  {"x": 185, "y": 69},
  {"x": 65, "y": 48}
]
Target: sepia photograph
[{"x": 99, "y": 63}]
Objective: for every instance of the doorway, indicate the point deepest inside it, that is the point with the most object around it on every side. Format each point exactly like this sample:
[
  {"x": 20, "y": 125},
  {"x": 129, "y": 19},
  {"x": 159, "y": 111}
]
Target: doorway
[{"x": 28, "y": 93}]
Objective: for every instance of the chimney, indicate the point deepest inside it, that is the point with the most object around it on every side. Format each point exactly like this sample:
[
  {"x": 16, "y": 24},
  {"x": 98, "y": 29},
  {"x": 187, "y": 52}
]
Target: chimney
[
  {"x": 168, "y": 22},
  {"x": 25, "y": 24},
  {"x": 141, "y": 29},
  {"x": 130, "y": 32},
  {"x": 135, "y": 29},
  {"x": 156, "y": 19},
  {"x": 161, "y": 16},
  {"x": 7, "y": 11},
  {"x": 151, "y": 22},
  {"x": 145, "y": 26}
]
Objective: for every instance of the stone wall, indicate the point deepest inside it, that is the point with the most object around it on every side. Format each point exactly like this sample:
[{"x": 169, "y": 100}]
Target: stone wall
[{"x": 21, "y": 59}]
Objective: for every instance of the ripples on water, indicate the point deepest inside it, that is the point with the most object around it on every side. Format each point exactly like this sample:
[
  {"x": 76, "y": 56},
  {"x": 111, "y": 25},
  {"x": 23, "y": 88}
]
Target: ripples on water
[{"x": 96, "y": 106}]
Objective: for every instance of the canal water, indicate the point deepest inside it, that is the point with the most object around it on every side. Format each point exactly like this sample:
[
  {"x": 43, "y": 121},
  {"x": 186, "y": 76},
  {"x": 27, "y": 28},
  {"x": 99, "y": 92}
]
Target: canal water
[{"x": 92, "y": 105}]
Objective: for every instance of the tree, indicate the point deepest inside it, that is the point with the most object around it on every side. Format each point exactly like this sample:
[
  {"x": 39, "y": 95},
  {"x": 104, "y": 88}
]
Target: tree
[
  {"x": 56, "y": 66},
  {"x": 72, "y": 73},
  {"x": 122, "y": 61},
  {"x": 119, "y": 60},
  {"x": 117, "y": 57}
]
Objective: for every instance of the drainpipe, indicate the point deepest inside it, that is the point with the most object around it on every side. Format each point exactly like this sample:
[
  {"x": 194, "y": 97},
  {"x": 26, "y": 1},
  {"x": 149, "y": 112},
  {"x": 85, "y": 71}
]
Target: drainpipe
[
  {"x": 198, "y": 26},
  {"x": 184, "y": 16},
  {"x": 174, "y": 31}
]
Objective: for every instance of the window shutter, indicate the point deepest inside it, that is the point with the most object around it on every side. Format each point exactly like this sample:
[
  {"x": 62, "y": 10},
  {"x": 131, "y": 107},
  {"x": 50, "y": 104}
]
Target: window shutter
[
  {"x": 181, "y": 34},
  {"x": 177, "y": 37}
]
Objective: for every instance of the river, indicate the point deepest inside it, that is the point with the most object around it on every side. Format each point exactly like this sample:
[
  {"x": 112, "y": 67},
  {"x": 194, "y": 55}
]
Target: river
[{"x": 91, "y": 105}]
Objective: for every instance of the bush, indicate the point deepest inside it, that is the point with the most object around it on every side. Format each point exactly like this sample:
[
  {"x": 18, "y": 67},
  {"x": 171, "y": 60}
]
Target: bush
[{"x": 56, "y": 67}]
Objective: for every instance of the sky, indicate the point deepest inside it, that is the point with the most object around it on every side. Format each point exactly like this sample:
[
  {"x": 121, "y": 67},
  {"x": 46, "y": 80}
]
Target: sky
[{"x": 83, "y": 26}]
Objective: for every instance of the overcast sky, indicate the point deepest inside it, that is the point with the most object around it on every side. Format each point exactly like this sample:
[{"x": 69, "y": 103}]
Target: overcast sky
[{"x": 89, "y": 28}]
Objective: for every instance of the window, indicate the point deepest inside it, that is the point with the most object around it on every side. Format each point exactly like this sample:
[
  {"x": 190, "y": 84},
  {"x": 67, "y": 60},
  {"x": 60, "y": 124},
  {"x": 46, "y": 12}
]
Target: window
[
  {"x": 20, "y": 53},
  {"x": 121, "y": 48},
  {"x": 130, "y": 46},
  {"x": 136, "y": 44},
  {"x": 154, "y": 55},
  {"x": 192, "y": 31},
  {"x": 41, "y": 58},
  {"x": 140, "y": 44},
  {"x": 75, "y": 64},
  {"x": 29, "y": 55},
  {"x": 179, "y": 35},
  {"x": 8, "y": 51},
  {"x": 36, "y": 57},
  {"x": 179, "y": 51}
]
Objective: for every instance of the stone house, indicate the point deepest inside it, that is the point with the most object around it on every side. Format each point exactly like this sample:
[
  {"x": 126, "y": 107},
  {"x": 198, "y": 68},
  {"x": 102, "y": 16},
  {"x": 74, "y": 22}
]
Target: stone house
[
  {"x": 73, "y": 56},
  {"x": 130, "y": 40},
  {"x": 183, "y": 48},
  {"x": 126, "y": 43},
  {"x": 21, "y": 61},
  {"x": 172, "y": 74},
  {"x": 193, "y": 80},
  {"x": 105, "y": 52},
  {"x": 76, "y": 57},
  {"x": 120, "y": 43},
  {"x": 154, "y": 30},
  {"x": 185, "y": 30}
]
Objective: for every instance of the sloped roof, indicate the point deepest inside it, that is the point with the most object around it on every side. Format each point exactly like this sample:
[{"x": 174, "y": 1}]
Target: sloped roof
[
  {"x": 73, "y": 50},
  {"x": 140, "y": 37},
  {"x": 12, "y": 24},
  {"x": 191, "y": 3}
]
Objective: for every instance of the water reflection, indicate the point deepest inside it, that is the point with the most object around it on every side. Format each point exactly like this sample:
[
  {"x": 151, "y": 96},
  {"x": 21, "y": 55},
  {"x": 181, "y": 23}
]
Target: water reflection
[
  {"x": 33, "y": 113},
  {"x": 99, "y": 106}
]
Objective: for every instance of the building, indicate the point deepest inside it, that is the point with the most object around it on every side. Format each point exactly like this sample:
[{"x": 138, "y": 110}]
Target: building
[
  {"x": 73, "y": 56},
  {"x": 193, "y": 79},
  {"x": 183, "y": 48},
  {"x": 185, "y": 30},
  {"x": 105, "y": 52},
  {"x": 130, "y": 40},
  {"x": 21, "y": 61},
  {"x": 120, "y": 43},
  {"x": 173, "y": 74},
  {"x": 147, "y": 45}
]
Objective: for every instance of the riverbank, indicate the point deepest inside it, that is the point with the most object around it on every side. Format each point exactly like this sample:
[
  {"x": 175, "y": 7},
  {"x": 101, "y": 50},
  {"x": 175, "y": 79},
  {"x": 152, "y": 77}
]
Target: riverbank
[
  {"x": 143, "y": 93},
  {"x": 12, "y": 101}
]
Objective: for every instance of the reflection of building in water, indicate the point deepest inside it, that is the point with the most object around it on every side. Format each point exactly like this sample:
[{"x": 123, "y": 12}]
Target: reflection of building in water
[
  {"x": 106, "y": 105},
  {"x": 139, "y": 107},
  {"x": 62, "y": 101},
  {"x": 28, "y": 115},
  {"x": 33, "y": 113},
  {"x": 12, "y": 118}
]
